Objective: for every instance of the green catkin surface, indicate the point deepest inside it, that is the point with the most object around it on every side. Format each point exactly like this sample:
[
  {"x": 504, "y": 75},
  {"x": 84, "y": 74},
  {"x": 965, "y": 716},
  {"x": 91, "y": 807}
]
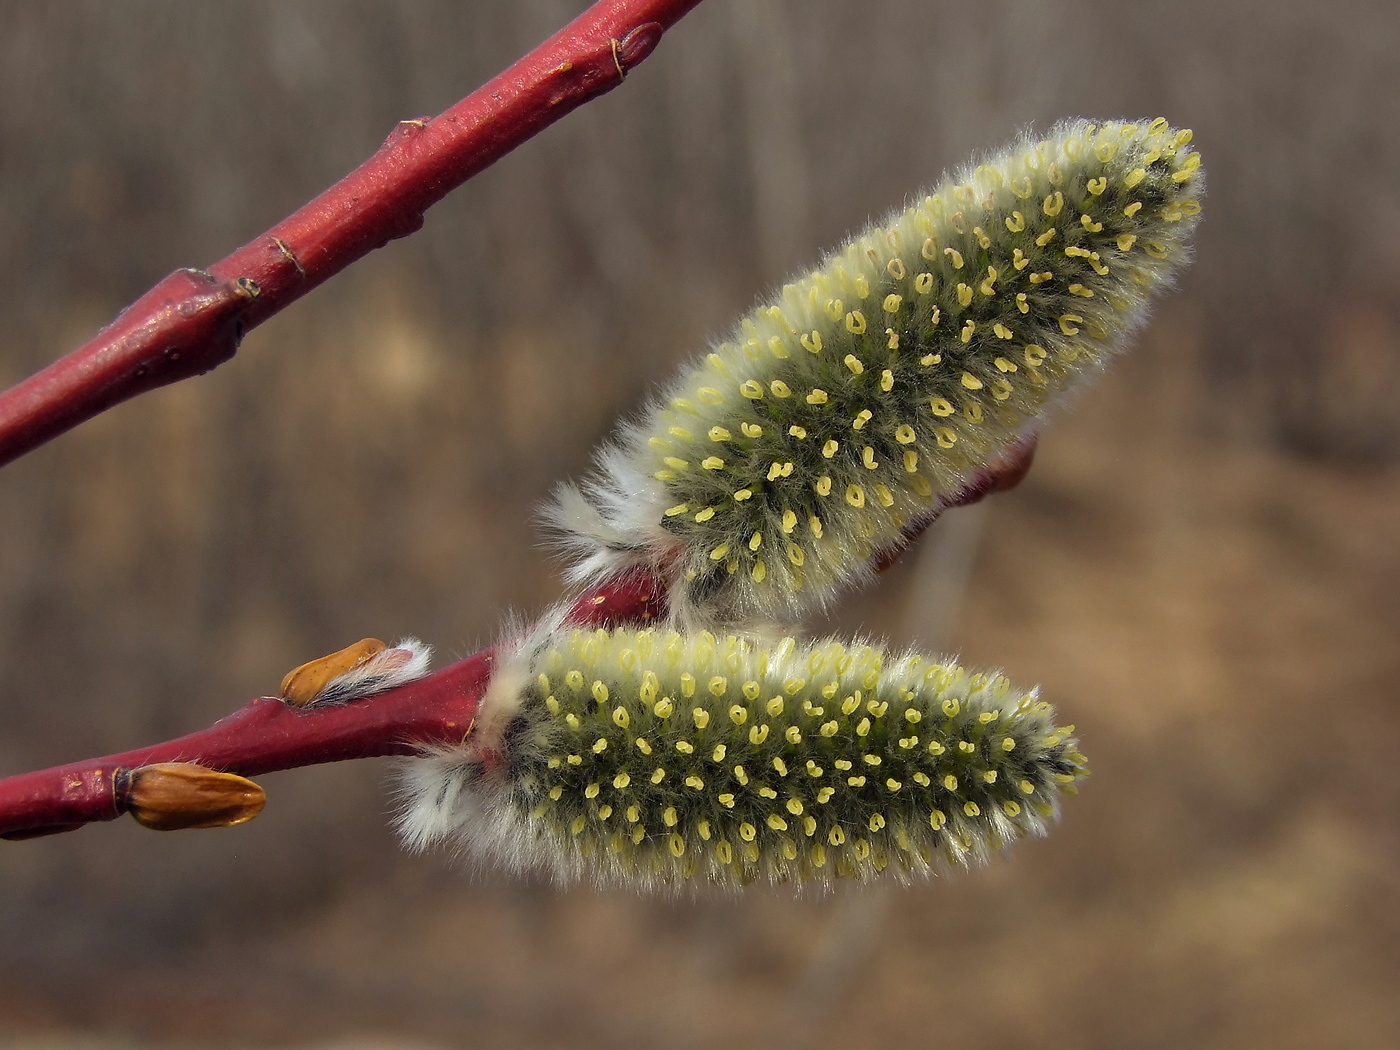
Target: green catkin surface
[
  {"x": 652, "y": 757},
  {"x": 847, "y": 404}
]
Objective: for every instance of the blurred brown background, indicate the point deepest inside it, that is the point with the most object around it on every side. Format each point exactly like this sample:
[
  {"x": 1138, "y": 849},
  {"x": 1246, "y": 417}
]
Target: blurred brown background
[{"x": 1201, "y": 569}]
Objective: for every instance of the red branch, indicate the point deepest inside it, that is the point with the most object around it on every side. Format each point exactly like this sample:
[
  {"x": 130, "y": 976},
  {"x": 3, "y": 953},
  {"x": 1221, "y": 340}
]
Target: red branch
[
  {"x": 193, "y": 320},
  {"x": 268, "y": 734}
]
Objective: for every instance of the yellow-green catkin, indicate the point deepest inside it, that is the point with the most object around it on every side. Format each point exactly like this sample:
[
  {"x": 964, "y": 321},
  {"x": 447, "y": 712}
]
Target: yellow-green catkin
[
  {"x": 847, "y": 404},
  {"x": 654, "y": 758}
]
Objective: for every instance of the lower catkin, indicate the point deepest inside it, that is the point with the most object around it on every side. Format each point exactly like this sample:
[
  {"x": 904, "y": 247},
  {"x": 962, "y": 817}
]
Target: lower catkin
[{"x": 653, "y": 758}]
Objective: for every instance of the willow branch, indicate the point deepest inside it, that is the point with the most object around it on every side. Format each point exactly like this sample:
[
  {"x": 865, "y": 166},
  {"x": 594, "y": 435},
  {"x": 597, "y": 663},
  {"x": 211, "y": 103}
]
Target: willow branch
[
  {"x": 193, "y": 320},
  {"x": 269, "y": 734}
]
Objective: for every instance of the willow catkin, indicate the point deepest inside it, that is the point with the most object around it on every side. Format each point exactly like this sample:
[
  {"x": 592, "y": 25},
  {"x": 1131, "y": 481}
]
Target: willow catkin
[
  {"x": 847, "y": 404},
  {"x": 654, "y": 758}
]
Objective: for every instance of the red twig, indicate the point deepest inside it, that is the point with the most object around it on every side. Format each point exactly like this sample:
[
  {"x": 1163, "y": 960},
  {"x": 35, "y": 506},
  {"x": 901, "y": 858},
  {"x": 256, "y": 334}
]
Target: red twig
[
  {"x": 193, "y": 320},
  {"x": 268, "y": 734}
]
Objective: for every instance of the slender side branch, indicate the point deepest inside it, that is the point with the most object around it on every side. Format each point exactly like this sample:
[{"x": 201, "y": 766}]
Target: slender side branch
[
  {"x": 193, "y": 320},
  {"x": 268, "y": 734}
]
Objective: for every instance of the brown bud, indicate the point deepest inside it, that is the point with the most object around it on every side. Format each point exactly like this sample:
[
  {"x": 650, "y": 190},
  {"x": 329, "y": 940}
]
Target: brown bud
[
  {"x": 172, "y": 796},
  {"x": 302, "y": 685}
]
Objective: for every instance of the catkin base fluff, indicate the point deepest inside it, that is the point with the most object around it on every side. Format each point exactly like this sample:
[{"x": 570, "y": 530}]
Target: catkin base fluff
[
  {"x": 656, "y": 759},
  {"x": 850, "y": 403}
]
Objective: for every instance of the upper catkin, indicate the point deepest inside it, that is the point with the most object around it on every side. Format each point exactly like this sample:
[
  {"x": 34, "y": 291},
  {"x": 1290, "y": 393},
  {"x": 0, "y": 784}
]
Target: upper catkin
[
  {"x": 653, "y": 758},
  {"x": 847, "y": 404}
]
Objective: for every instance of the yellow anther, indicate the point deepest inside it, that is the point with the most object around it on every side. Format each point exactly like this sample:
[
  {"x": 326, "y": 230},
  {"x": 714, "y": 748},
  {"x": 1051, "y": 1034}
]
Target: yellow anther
[
  {"x": 817, "y": 397},
  {"x": 923, "y": 283},
  {"x": 1022, "y": 303},
  {"x": 855, "y": 495},
  {"x": 742, "y": 494},
  {"x": 1001, "y": 331},
  {"x": 797, "y": 431},
  {"x": 863, "y": 417},
  {"x": 867, "y": 457},
  {"x": 823, "y": 485},
  {"x": 855, "y": 322},
  {"x": 1035, "y": 355},
  {"x": 1096, "y": 186},
  {"x": 685, "y": 747},
  {"x": 712, "y": 463},
  {"x": 643, "y": 745},
  {"x": 1188, "y": 167},
  {"x": 982, "y": 238},
  {"x": 856, "y": 782},
  {"x": 1003, "y": 365},
  {"x": 814, "y": 523},
  {"x": 911, "y": 461},
  {"x": 852, "y": 362},
  {"x": 950, "y": 782},
  {"x": 876, "y": 822},
  {"x": 720, "y": 552},
  {"x": 795, "y": 554},
  {"x": 1080, "y": 290},
  {"x": 1001, "y": 389},
  {"x": 964, "y": 294},
  {"x": 658, "y": 775},
  {"x": 695, "y": 782},
  {"x": 1053, "y": 204},
  {"x": 1069, "y": 323},
  {"x": 720, "y": 434},
  {"x": 1089, "y": 224},
  {"x": 933, "y": 317},
  {"x": 836, "y": 836},
  {"x": 967, "y": 329},
  {"x": 710, "y": 396},
  {"x": 904, "y": 434},
  {"x": 887, "y": 380},
  {"x": 1157, "y": 251},
  {"x": 777, "y": 347},
  {"x": 945, "y": 437},
  {"x": 891, "y": 339},
  {"x": 891, "y": 303},
  {"x": 862, "y": 284},
  {"x": 781, "y": 767},
  {"x": 759, "y": 572},
  {"x": 751, "y": 389},
  {"x": 970, "y": 381},
  {"x": 989, "y": 777},
  {"x": 811, "y": 341},
  {"x": 1042, "y": 277},
  {"x": 1046, "y": 237},
  {"x": 940, "y": 406},
  {"x": 600, "y": 745},
  {"x": 972, "y": 809},
  {"x": 780, "y": 389},
  {"x": 1016, "y": 223},
  {"x": 752, "y": 430},
  {"x": 679, "y": 508},
  {"x": 556, "y": 793},
  {"x": 1134, "y": 177},
  {"x": 678, "y": 464},
  {"x": 988, "y": 285},
  {"x": 1133, "y": 209},
  {"x": 955, "y": 256},
  {"x": 1011, "y": 809},
  {"x": 895, "y": 268}
]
